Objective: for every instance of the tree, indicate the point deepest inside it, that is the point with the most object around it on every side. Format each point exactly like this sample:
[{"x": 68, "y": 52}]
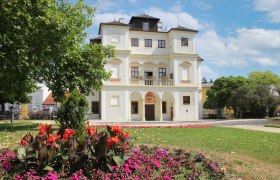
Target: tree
[
  {"x": 253, "y": 102},
  {"x": 218, "y": 95},
  {"x": 41, "y": 41},
  {"x": 204, "y": 80},
  {"x": 266, "y": 78}
]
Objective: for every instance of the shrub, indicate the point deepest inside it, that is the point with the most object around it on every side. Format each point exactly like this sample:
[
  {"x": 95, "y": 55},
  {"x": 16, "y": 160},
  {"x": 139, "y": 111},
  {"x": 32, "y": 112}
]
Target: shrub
[
  {"x": 41, "y": 115},
  {"x": 71, "y": 114}
]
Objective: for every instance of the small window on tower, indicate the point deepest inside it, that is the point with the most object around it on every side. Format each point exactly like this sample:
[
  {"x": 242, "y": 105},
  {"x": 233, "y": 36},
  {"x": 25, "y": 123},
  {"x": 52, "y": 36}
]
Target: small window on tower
[
  {"x": 184, "y": 42},
  {"x": 145, "y": 26}
]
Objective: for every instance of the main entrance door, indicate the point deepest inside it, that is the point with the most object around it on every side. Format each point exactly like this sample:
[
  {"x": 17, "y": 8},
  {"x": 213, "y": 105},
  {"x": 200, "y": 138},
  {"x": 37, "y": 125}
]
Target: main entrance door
[{"x": 150, "y": 112}]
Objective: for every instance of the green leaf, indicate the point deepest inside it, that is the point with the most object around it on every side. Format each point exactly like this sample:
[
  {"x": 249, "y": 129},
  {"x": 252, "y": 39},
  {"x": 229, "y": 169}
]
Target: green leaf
[
  {"x": 21, "y": 153},
  {"x": 48, "y": 168},
  {"x": 118, "y": 160}
]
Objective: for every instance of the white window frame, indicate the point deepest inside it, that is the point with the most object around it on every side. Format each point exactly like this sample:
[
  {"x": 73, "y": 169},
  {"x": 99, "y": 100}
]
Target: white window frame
[
  {"x": 114, "y": 100},
  {"x": 116, "y": 67},
  {"x": 185, "y": 73},
  {"x": 115, "y": 38}
]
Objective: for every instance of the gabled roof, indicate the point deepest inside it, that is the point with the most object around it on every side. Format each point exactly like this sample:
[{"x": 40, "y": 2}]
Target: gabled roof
[
  {"x": 114, "y": 23},
  {"x": 143, "y": 16},
  {"x": 49, "y": 100},
  {"x": 181, "y": 28}
]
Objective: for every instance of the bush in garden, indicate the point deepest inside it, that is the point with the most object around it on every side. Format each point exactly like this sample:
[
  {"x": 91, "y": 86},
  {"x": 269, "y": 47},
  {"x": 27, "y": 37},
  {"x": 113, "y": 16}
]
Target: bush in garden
[
  {"x": 41, "y": 115},
  {"x": 71, "y": 113},
  {"x": 65, "y": 154}
]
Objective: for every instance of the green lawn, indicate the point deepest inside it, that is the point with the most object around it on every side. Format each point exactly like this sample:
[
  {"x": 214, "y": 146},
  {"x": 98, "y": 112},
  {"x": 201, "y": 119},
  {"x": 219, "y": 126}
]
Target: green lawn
[
  {"x": 260, "y": 145},
  {"x": 273, "y": 125}
]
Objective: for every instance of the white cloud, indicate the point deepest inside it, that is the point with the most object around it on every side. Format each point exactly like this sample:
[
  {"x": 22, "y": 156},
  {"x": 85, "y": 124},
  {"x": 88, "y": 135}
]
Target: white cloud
[
  {"x": 202, "y": 4},
  {"x": 271, "y": 7},
  {"x": 250, "y": 47},
  {"x": 177, "y": 7},
  {"x": 105, "y": 5},
  {"x": 208, "y": 73},
  {"x": 169, "y": 18}
]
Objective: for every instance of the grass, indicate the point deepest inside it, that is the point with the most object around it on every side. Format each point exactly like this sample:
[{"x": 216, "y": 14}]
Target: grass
[
  {"x": 248, "y": 154},
  {"x": 273, "y": 125}
]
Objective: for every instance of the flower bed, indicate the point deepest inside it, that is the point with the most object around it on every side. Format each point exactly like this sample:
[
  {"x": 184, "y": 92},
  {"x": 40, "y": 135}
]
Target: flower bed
[
  {"x": 159, "y": 126},
  {"x": 99, "y": 155}
]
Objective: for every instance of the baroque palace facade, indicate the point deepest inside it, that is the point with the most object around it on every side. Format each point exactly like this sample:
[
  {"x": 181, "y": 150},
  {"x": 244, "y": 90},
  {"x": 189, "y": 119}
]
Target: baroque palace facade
[{"x": 155, "y": 73}]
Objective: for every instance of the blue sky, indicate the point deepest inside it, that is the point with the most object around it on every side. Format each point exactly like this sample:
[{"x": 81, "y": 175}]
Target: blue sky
[{"x": 235, "y": 37}]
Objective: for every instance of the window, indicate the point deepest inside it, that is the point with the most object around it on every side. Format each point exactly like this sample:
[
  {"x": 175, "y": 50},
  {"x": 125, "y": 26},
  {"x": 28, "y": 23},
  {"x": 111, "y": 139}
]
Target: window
[
  {"x": 145, "y": 26},
  {"x": 134, "y": 72},
  {"x": 115, "y": 71},
  {"x": 95, "y": 107},
  {"x": 185, "y": 73},
  {"x": 148, "y": 43},
  {"x": 135, "y": 42},
  {"x": 186, "y": 100},
  {"x": 161, "y": 72},
  {"x": 184, "y": 42},
  {"x": 161, "y": 43},
  {"x": 134, "y": 107},
  {"x": 115, "y": 38},
  {"x": 114, "y": 101},
  {"x": 164, "y": 108}
]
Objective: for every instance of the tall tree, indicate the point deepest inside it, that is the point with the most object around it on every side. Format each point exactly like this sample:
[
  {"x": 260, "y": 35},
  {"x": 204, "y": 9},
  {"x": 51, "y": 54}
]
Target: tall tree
[
  {"x": 264, "y": 78},
  {"x": 218, "y": 95},
  {"x": 41, "y": 41}
]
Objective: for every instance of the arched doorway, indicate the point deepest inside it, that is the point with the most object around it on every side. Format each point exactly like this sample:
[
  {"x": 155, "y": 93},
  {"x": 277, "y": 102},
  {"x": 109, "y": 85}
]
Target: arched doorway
[{"x": 150, "y": 104}]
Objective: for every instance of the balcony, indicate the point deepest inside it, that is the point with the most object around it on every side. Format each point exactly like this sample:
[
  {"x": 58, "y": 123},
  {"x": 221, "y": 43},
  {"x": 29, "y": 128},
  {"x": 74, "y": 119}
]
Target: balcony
[{"x": 151, "y": 82}]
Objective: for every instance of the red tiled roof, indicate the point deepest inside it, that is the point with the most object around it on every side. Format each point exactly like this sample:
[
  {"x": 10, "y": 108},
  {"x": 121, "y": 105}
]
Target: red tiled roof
[{"x": 49, "y": 100}]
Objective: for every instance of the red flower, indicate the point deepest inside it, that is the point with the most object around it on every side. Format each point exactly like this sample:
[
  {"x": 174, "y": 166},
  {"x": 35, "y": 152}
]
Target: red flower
[
  {"x": 65, "y": 136},
  {"x": 23, "y": 142},
  {"x": 45, "y": 129},
  {"x": 68, "y": 133},
  {"x": 126, "y": 135},
  {"x": 110, "y": 143},
  {"x": 124, "y": 146},
  {"x": 115, "y": 139},
  {"x": 90, "y": 130},
  {"x": 52, "y": 139},
  {"x": 116, "y": 129}
]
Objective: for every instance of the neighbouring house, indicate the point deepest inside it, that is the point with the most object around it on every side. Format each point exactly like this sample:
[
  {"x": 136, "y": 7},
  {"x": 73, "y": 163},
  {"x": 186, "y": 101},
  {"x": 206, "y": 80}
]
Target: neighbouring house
[
  {"x": 50, "y": 104},
  {"x": 155, "y": 73}
]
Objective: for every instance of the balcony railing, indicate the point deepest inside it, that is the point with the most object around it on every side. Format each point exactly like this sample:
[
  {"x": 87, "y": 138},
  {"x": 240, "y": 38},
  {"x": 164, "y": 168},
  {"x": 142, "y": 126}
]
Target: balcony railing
[{"x": 151, "y": 82}]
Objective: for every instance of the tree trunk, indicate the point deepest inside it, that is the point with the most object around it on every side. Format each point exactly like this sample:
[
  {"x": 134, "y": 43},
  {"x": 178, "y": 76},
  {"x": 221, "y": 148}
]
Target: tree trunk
[
  {"x": 2, "y": 108},
  {"x": 13, "y": 114}
]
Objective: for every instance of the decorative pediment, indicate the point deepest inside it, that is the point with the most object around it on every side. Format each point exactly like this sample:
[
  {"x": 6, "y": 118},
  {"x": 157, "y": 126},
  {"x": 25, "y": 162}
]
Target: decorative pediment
[
  {"x": 185, "y": 64},
  {"x": 148, "y": 64},
  {"x": 162, "y": 65},
  {"x": 135, "y": 63},
  {"x": 115, "y": 61}
]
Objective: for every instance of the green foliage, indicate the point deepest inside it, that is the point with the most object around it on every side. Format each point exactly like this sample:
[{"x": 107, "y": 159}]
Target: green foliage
[
  {"x": 71, "y": 113},
  {"x": 41, "y": 41},
  {"x": 249, "y": 97},
  {"x": 266, "y": 78},
  {"x": 220, "y": 93}
]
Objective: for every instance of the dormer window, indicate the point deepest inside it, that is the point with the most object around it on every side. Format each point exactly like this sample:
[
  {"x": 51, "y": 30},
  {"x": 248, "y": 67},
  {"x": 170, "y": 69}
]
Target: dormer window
[
  {"x": 145, "y": 26},
  {"x": 184, "y": 42}
]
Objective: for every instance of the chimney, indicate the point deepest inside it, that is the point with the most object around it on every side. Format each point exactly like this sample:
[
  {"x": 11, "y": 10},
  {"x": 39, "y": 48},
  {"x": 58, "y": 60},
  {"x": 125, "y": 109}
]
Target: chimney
[
  {"x": 159, "y": 25},
  {"x": 121, "y": 20}
]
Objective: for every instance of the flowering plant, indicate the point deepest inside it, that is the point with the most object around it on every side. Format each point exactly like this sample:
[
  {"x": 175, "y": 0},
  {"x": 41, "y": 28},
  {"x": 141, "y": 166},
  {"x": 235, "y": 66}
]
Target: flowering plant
[{"x": 65, "y": 154}]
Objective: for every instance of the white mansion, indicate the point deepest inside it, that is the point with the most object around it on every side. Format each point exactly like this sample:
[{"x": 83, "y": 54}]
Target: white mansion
[{"x": 155, "y": 74}]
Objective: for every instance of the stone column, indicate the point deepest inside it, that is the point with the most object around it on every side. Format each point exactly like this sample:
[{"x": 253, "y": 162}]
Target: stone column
[
  {"x": 129, "y": 109},
  {"x": 143, "y": 110},
  {"x": 160, "y": 110}
]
